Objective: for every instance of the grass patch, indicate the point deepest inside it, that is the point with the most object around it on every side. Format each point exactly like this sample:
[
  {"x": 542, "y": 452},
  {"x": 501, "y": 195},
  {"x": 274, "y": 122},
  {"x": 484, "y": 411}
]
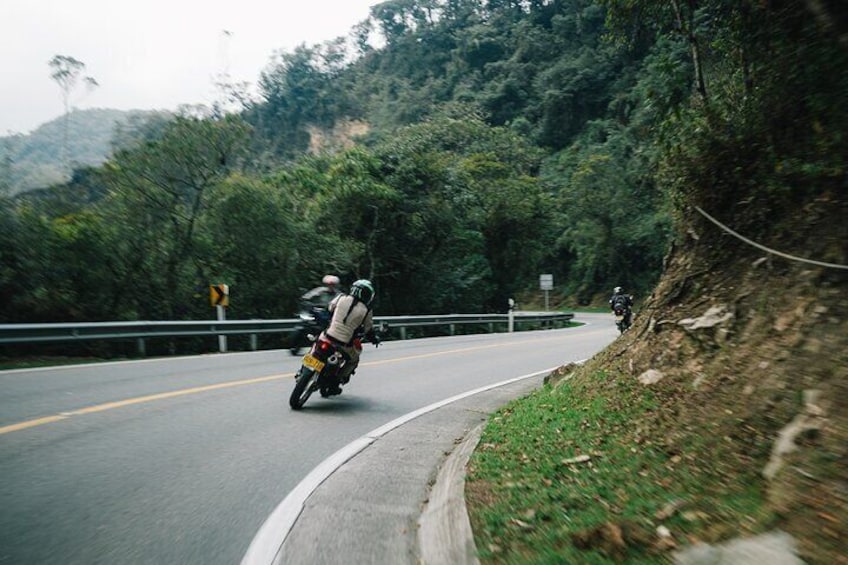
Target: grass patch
[{"x": 571, "y": 474}]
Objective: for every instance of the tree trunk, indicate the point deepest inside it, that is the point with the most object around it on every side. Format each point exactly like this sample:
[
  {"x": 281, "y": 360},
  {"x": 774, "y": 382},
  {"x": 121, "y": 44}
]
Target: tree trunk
[{"x": 686, "y": 26}]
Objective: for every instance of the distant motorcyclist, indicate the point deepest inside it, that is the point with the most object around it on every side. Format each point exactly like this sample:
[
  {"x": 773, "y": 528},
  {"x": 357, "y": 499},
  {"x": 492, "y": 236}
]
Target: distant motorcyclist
[
  {"x": 321, "y": 296},
  {"x": 621, "y": 300},
  {"x": 314, "y": 312},
  {"x": 352, "y": 317}
]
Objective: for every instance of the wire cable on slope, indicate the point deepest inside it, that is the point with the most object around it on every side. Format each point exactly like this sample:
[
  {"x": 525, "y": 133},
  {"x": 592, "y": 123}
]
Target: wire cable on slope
[{"x": 766, "y": 249}]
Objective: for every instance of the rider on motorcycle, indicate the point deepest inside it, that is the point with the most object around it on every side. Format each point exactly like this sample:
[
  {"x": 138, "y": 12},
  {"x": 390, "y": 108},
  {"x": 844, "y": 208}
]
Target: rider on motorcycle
[
  {"x": 321, "y": 296},
  {"x": 314, "y": 313},
  {"x": 619, "y": 299},
  {"x": 352, "y": 316}
]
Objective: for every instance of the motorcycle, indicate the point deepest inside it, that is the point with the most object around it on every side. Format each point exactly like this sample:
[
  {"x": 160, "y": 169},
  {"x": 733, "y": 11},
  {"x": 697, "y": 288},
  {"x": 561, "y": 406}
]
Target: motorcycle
[
  {"x": 622, "y": 318},
  {"x": 320, "y": 369},
  {"x": 313, "y": 320}
]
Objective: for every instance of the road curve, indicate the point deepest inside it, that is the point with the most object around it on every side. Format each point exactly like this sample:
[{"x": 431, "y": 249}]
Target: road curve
[{"x": 182, "y": 460}]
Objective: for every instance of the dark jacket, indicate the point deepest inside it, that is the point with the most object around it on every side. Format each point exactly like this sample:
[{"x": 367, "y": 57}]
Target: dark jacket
[
  {"x": 319, "y": 297},
  {"x": 625, "y": 298}
]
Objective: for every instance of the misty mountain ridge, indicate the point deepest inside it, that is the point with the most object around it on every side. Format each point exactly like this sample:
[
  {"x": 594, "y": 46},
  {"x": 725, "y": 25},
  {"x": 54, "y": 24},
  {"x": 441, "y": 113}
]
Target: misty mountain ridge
[{"x": 35, "y": 160}]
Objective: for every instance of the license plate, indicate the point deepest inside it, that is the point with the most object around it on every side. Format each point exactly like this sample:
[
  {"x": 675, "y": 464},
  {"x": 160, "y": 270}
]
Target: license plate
[{"x": 312, "y": 362}]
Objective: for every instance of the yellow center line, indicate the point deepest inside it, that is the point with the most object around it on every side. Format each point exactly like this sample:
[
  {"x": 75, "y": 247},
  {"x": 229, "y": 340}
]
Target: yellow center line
[
  {"x": 130, "y": 401},
  {"x": 194, "y": 390},
  {"x": 172, "y": 394},
  {"x": 30, "y": 424}
]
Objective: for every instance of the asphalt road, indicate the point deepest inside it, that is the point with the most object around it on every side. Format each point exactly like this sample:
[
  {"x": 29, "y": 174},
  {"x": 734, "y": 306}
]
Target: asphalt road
[{"x": 181, "y": 460}]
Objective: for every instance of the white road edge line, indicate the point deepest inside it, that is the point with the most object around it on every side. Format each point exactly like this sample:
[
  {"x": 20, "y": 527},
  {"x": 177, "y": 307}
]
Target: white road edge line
[{"x": 268, "y": 541}]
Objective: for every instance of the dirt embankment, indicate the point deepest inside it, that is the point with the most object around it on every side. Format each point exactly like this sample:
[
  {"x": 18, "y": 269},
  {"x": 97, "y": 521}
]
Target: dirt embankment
[{"x": 752, "y": 350}]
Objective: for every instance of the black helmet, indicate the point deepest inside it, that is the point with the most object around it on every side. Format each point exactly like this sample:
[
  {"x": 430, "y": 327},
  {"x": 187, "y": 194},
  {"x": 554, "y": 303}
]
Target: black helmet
[{"x": 363, "y": 290}]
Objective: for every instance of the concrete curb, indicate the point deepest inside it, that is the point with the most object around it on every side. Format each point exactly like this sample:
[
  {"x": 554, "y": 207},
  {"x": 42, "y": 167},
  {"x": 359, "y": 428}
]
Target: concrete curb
[
  {"x": 444, "y": 532},
  {"x": 374, "y": 478}
]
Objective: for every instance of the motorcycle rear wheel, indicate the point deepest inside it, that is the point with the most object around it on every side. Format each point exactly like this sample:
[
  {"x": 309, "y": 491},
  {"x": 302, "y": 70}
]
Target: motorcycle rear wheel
[{"x": 303, "y": 387}]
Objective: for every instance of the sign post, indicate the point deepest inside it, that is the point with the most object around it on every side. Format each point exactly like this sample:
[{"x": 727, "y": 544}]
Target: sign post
[
  {"x": 219, "y": 297},
  {"x": 546, "y": 283}
]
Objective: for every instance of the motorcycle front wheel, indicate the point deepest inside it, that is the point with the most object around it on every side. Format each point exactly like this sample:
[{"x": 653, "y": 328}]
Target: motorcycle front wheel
[{"x": 303, "y": 387}]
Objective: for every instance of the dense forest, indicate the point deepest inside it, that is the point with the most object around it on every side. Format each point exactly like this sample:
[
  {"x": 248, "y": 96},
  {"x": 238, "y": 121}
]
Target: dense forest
[{"x": 452, "y": 151}]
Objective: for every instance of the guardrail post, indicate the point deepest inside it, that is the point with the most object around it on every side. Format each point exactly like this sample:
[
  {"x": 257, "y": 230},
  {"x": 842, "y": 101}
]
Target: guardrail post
[
  {"x": 253, "y": 342},
  {"x": 142, "y": 351},
  {"x": 222, "y": 338},
  {"x": 452, "y": 329},
  {"x": 403, "y": 332}
]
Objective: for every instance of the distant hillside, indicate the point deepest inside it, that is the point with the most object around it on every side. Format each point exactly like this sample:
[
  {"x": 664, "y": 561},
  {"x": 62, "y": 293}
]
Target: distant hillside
[{"x": 34, "y": 161}]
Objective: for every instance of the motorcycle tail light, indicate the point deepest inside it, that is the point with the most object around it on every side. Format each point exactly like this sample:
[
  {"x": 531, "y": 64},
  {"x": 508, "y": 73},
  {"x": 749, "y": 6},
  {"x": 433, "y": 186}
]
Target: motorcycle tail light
[{"x": 324, "y": 345}]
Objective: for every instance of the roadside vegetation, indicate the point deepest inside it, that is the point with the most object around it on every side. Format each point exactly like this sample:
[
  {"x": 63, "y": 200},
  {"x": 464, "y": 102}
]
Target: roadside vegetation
[
  {"x": 683, "y": 433},
  {"x": 578, "y": 473},
  {"x": 723, "y": 412}
]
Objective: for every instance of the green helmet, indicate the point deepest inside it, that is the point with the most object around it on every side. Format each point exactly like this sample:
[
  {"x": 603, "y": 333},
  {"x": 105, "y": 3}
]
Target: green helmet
[{"x": 363, "y": 290}]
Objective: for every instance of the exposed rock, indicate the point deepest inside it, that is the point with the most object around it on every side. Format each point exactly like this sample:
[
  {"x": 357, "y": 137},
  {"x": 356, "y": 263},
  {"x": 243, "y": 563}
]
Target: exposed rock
[
  {"x": 811, "y": 418},
  {"x": 578, "y": 459},
  {"x": 561, "y": 374},
  {"x": 714, "y": 316},
  {"x": 650, "y": 377},
  {"x": 669, "y": 509},
  {"x": 341, "y": 136},
  {"x": 774, "y": 548},
  {"x": 759, "y": 262}
]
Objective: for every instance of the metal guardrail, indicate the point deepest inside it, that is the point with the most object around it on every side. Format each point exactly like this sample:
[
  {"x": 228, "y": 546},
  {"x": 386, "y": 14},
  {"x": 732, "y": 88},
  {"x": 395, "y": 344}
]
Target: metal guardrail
[
  {"x": 450, "y": 320},
  {"x": 89, "y": 331},
  {"x": 141, "y": 330}
]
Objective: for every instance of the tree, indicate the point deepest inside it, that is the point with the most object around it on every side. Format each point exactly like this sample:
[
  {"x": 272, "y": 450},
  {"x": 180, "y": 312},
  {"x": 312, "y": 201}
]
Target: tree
[
  {"x": 160, "y": 191},
  {"x": 470, "y": 226},
  {"x": 252, "y": 238},
  {"x": 66, "y": 71}
]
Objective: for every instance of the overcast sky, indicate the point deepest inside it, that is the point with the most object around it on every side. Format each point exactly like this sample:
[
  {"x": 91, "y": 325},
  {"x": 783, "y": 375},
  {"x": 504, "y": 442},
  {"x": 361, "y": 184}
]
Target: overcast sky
[{"x": 150, "y": 54}]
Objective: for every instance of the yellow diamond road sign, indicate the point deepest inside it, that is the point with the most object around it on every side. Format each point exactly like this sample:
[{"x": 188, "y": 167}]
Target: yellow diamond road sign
[{"x": 219, "y": 295}]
